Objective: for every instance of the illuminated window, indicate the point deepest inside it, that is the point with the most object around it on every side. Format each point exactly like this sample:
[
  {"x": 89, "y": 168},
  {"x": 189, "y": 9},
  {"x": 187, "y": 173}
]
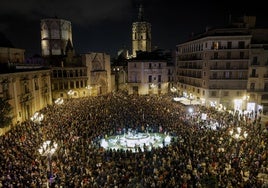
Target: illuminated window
[{"x": 215, "y": 45}]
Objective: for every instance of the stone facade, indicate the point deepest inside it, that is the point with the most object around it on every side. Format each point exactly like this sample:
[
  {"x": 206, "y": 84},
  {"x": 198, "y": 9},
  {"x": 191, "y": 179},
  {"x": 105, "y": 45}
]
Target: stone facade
[
  {"x": 98, "y": 72},
  {"x": 27, "y": 92}
]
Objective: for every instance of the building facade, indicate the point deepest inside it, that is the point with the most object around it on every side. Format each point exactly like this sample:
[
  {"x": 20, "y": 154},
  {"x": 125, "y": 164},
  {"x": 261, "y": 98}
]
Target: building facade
[
  {"x": 257, "y": 86},
  {"x": 69, "y": 82},
  {"x": 98, "y": 72},
  {"x": 147, "y": 77},
  {"x": 220, "y": 67},
  {"x": 27, "y": 92}
]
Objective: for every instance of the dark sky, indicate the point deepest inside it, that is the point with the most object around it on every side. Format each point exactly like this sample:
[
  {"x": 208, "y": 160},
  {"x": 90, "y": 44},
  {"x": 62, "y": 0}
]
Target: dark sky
[{"x": 105, "y": 25}]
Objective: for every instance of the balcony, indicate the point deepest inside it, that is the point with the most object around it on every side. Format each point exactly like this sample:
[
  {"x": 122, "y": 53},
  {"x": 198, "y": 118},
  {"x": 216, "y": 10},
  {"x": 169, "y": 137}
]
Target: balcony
[
  {"x": 134, "y": 81},
  {"x": 254, "y": 76},
  {"x": 264, "y": 90},
  {"x": 227, "y": 79},
  {"x": 26, "y": 97},
  {"x": 255, "y": 64}
]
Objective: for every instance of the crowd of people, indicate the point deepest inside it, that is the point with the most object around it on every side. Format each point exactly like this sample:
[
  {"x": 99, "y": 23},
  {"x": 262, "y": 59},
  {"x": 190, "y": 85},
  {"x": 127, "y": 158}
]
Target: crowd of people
[{"x": 199, "y": 156}]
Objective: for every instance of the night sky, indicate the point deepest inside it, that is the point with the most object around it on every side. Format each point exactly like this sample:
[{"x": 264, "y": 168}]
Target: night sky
[{"x": 105, "y": 25}]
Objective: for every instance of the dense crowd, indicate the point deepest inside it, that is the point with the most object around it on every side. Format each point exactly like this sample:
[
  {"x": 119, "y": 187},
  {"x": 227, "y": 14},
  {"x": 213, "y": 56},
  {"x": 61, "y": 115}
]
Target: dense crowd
[{"x": 200, "y": 156}]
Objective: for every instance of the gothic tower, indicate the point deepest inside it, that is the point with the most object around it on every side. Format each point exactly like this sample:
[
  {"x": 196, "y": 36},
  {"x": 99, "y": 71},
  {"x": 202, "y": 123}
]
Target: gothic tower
[
  {"x": 141, "y": 34},
  {"x": 55, "y": 35}
]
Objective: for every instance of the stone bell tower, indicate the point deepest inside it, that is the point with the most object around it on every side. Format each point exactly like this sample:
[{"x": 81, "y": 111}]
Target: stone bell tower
[{"x": 141, "y": 34}]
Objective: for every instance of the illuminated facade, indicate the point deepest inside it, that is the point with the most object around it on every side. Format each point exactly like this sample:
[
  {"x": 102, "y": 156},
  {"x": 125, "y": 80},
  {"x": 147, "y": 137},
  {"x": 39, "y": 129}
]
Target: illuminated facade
[
  {"x": 257, "y": 86},
  {"x": 98, "y": 72},
  {"x": 69, "y": 82},
  {"x": 55, "y": 35},
  {"x": 147, "y": 77},
  {"x": 221, "y": 66},
  {"x": 141, "y": 35},
  {"x": 214, "y": 68},
  {"x": 27, "y": 92}
]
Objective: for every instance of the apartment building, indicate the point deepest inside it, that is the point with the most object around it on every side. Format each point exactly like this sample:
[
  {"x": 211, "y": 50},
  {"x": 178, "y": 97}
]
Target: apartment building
[
  {"x": 147, "y": 76},
  {"x": 219, "y": 68},
  {"x": 257, "y": 87}
]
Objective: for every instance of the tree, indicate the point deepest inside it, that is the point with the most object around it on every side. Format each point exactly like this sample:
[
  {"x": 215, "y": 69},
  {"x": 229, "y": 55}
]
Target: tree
[{"x": 5, "y": 109}]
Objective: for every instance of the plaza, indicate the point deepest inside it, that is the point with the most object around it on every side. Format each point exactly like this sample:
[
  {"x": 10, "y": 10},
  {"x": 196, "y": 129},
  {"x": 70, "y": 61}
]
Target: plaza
[{"x": 134, "y": 141}]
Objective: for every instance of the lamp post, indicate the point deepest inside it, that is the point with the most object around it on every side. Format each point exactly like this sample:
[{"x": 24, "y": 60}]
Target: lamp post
[
  {"x": 70, "y": 93},
  {"x": 246, "y": 99},
  {"x": 89, "y": 89},
  {"x": 47, "y": 149},
  {"x": 191, "y": 97},
  {"x": 59, "y": 101},
  {"x": 173, "y": 90},
  {"x": 37, "y": 117},
  {"x": 152, "y": 86},
  {"x": 238, "y": 135}
]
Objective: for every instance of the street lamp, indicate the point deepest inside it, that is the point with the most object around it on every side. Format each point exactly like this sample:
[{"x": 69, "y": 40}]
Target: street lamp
[
  {"x": 246, "y": 99},
  {"x": 37, "y": 117},
  {"x": 173, "y": 90},
  {"x": 152, "y": 86},
  {"x": 89, "y": 89},
  {"x": 70, "y": 93},
  {"x": 59, "y": 101},
  {"x": 239, "y": 135},
  {"x": 191, "y": 97},
  {"x": 47, "y": 149}
]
